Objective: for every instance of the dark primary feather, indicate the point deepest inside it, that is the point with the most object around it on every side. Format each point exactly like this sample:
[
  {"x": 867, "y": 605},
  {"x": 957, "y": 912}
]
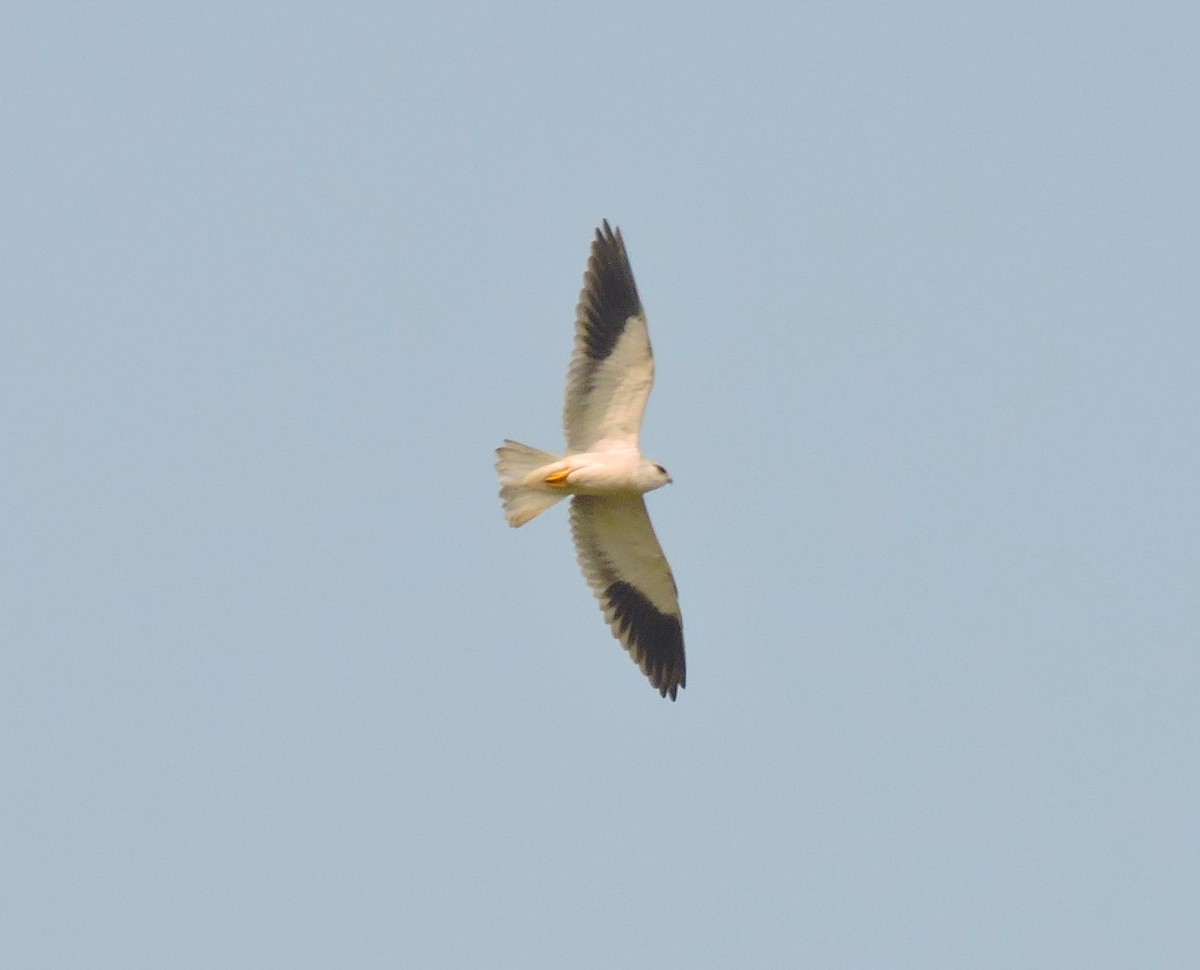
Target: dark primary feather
[
  {"x": 609, "y": 296},
  {"x": 655, "y": 639}
]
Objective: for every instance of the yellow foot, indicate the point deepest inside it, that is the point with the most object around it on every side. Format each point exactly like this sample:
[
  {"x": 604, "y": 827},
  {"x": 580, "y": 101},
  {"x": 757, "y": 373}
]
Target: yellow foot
[{"x": 558, "y": 479}]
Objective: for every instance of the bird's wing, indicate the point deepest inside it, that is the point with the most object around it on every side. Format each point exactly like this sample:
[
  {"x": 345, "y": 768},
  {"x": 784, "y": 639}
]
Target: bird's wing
[
  {"x": 612, "y": 367},
  {"x": 625, "y": 566}
]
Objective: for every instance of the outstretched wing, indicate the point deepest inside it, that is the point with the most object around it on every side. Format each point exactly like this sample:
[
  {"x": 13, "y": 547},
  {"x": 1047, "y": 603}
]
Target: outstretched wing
[
  {"x": 612, "y": 367},
  {"x": 625, "y": 566}
]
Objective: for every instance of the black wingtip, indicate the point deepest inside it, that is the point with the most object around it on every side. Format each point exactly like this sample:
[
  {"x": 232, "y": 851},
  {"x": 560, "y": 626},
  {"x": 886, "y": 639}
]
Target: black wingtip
[
  {"x": 609, "y": 296},
  {"x": 655, "y": 639}
]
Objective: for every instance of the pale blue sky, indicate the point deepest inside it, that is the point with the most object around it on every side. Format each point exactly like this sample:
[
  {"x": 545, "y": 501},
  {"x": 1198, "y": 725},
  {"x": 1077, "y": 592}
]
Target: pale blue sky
[{"x": 281, "y": 689}]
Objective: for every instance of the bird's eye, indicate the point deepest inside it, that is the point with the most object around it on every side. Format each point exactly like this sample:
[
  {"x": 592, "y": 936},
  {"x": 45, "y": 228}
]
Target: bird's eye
[{"x": 661, "y": 469}]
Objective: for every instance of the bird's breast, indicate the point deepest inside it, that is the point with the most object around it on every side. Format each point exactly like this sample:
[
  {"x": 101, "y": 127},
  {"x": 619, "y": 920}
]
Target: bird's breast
[{"x": 604, "y": 473}]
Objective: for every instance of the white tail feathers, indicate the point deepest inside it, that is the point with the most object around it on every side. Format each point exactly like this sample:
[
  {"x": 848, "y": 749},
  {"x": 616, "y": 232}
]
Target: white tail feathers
[{"x": 524, "y": 499}]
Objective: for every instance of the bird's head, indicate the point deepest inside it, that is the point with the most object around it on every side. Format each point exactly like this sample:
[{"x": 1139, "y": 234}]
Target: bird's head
[{"x": 654, "y": 476}]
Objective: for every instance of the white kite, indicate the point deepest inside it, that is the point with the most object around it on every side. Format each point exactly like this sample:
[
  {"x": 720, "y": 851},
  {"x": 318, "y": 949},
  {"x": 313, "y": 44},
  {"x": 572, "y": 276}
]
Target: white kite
[{"x": 609, "y": 380}]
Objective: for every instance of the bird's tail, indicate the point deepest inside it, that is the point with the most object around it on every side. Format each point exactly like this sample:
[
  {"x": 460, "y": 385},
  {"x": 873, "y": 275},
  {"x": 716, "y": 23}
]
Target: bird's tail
[{"x": 524, "y": 500}]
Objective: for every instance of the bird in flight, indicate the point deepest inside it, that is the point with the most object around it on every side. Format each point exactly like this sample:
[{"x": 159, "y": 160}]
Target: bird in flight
[{"x": 608, "y": 383}]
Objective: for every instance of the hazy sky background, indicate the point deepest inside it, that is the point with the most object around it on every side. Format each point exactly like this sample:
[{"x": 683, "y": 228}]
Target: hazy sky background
[{"x": 281, "y": 689}]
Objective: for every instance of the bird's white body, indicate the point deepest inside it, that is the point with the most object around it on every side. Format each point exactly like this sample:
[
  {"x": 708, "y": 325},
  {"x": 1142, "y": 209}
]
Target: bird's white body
[{"x": 602, "y": 473}]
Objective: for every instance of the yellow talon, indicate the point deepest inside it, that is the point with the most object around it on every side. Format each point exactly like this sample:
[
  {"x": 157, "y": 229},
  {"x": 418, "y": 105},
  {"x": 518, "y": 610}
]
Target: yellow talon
[{"x": 558, "y": 479}]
